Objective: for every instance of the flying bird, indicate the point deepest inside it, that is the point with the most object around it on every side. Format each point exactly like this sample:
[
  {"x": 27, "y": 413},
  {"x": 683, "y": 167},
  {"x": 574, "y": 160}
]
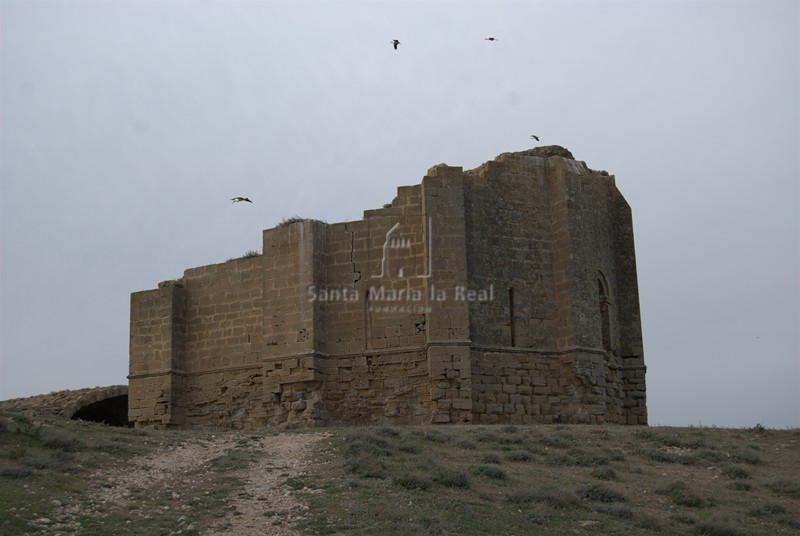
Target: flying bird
[
  {"x": 534, "y": 137},
  {"x": 394, "y": 43},
  {"x": 239, "y": 199},
  {"x": 490, "y": 39}
]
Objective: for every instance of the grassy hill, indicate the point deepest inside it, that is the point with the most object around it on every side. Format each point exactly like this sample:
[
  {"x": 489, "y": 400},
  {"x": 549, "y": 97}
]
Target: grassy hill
[{"x": 59, "y": 477}]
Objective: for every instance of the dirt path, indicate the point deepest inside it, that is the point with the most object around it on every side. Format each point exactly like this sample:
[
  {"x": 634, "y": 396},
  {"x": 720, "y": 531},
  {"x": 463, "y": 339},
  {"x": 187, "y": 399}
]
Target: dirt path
[
  {"x": 167, "y": 482},
  {"x": 266, "y": 506}
]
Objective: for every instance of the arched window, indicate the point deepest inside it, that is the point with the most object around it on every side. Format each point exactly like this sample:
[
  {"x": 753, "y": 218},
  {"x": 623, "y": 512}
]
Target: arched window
[{"x": 605, "y": 310}]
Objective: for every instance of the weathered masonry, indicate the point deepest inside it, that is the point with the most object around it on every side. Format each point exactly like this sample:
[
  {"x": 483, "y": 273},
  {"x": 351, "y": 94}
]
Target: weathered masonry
[{"x": 503, "y": 294}]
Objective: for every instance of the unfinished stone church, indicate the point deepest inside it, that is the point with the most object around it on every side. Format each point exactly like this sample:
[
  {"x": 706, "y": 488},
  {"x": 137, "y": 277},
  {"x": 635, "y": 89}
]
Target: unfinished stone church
[{"x": 503, "y": 294}]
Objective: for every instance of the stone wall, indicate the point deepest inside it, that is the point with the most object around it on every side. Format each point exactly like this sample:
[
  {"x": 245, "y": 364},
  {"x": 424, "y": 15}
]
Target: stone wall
[{"x": 502, "y": 294}]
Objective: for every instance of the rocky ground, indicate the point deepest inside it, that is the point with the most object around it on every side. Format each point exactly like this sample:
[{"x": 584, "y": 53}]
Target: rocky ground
[{"x": 183, "y": 483}]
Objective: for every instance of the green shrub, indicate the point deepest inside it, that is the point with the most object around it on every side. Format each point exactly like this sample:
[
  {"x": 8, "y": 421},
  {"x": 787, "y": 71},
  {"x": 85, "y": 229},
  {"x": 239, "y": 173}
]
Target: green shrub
[
  {"x": 15, "y": 472},
  {"x": 519, "y": 456},
  {"x": 743, "y": 456},
  {"x": 699, "y": 443},
  {"x": 558, "y": 459},
  {"x": 290, "y": 220},
  {"x": 366, "y": 466},
  {"x": 576, "y": 457},
  {"x": 407, "y": 445},
  {"x": 787, "y": 488},
  {"x": 648, "y": 523},
  {"x": 363, "y": 441},
  {"x": 719, "y": 528},
  {"x": 582, "y": 458},
  {"x": 450, "y": 478},
  {"x": 709, "y": 455},
  {"x": 604, "y": 473},
  {"x": 680, "y": 494},
  {"x": 386, "y": 431},
  {"x": 59, "y": 439},
  {"x": 249, "y": 254},
  {"x": 486, "y": 437},
  {"x": 658, "y": 455},
  {"x": 767, "y": 510},
  {"x": 553, "y": 497},
  {"x": 621, "y": 512},
  {"x": 412, "y": 481},
  {"x": 177, "y": 283},
  {"x": 435, "y": 436},
  {"x": 735, "y": 472},
  {"x": 600, "y": 493},
  {"x": 556, "y": 442},
  {"x": 492, "y": 471}
]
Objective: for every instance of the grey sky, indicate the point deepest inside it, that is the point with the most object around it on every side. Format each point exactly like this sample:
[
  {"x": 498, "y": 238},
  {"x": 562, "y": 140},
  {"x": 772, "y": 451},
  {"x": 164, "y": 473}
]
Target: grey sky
[{"x": 126, "y": 126}]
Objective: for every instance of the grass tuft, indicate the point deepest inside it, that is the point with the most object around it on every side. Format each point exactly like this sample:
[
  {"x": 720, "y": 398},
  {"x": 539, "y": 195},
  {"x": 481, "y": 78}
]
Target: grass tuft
[
  {"x": 659, "y": 455},
  {"x": 717, "y": 527},
  {"x": 15, "y": 472},
  {"x": 434, "y": 436},
  {"x": 680, "y": 494},
  {"x": 767, "y": 510},
  {"x": 366, "y": 466},
  {"x": 450, "y": 478},
  {"x": 412, "y": 481},
  {"x": 600, "y": 493},
  {"x": 408, "y": 445},
  {"x": 58, "y": 439},
  {"x": 491, "y": 471},
  {"x": 553, "y": 497},
  {"x": 362, "y": 441},
  {"x": 731, "y": 471},
  {"x": 387, "y": 431},
  {"x": 744, "y": 456},
  {"x": 604, "y": 473},
  {"x": 621, "y": 512},
  {"x": 786, "y": 488},
  {"x": 466, "y": 444},
  {"x": 519, "y": 456}
]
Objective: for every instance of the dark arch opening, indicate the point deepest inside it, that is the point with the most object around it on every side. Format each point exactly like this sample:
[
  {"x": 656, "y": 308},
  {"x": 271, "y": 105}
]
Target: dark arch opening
[{"x": 112, "y": 411}]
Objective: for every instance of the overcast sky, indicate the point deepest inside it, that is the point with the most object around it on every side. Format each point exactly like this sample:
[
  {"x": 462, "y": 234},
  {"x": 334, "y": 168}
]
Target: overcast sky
[{"x": 125, "y": 127}]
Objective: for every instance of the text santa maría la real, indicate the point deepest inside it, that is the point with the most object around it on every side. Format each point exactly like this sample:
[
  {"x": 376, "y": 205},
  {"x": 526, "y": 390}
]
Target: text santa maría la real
[{"x": 380, "y": 293}]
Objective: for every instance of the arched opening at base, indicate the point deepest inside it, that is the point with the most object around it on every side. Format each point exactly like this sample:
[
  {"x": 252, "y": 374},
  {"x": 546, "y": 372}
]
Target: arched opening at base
[{"x": 112, "y": 411}]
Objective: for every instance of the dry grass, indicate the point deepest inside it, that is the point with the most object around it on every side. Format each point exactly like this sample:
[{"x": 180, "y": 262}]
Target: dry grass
[
  {"x": 559, "y": 479},
  {"x": 469, "y": 480}
]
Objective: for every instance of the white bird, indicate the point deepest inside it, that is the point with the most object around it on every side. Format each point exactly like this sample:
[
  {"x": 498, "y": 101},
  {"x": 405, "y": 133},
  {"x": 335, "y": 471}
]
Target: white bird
[
  {"x": 239, "y": 199},
  {"x": 394, "y": 43},
  {"x": 534, "y": 137}
]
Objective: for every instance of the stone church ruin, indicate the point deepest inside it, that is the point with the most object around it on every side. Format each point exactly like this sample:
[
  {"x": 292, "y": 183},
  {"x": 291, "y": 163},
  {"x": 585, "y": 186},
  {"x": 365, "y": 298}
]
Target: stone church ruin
[{"x": 503, "y": 294}]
